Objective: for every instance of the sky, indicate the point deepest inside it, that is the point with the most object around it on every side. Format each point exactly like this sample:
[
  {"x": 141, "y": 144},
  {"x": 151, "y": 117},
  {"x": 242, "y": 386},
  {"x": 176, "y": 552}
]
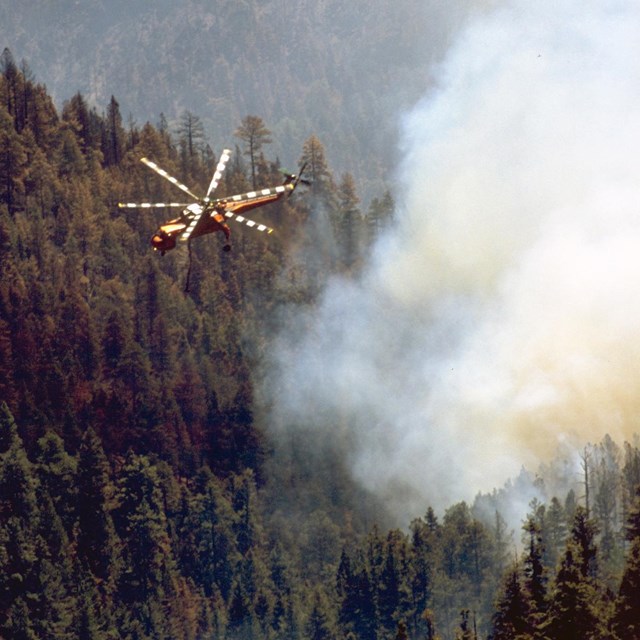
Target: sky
[{"x": 497, "y": 323}]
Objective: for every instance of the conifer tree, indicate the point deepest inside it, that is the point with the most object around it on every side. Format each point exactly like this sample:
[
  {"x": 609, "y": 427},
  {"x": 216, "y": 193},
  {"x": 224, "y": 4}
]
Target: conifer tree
[
  {"x": 535, "y": 575},
  {"x": 254, "y": 133},
  {"x": 512, "y": 614},
  {"x": 318, "y": 626},
  {"x": 141, "y": 522},
  {"x": 13, "y": 163},
  {"x": 576, "y": 612},
  {"x": 191, "y": 135},
  {"x": 210, "y": 556},
  {"x": 19, "y": 539},
  {"x": 626, "y": 618},
  {"x": 96, "y": 540},
  {"x": 379, "y": 216},
  {"x": 113, "y": 135},
  {"x": 348, "y": 222},
  {"x": 357, "y": 612},
  {"x": 248, "y": 527},
  {"x": 556, "y": 525},
  {"x": 317, "y": 167},
  {"x": 240, "y": 617}
]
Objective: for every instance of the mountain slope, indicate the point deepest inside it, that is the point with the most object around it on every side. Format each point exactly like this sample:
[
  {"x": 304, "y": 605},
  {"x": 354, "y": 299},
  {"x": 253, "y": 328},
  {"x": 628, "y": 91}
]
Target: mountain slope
[{"x": 343, "y": 72}]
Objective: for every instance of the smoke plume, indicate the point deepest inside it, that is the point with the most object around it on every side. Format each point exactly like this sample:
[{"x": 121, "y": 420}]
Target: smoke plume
[{"x": 499, "y": 320}]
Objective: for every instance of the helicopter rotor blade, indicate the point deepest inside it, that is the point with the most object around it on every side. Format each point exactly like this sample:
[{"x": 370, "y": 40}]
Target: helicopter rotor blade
[
  {"x": 252, "y": 224},
  {"x": 171, "y": 179},
  {"x": 151, "y": 205},
  {"x": 256, "y": 195},
  {"x": 222, "y": 163}
]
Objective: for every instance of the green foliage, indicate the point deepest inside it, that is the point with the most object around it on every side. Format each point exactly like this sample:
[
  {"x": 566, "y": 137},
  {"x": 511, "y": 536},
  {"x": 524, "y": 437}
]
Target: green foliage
[{"x": 139, "y": 496}]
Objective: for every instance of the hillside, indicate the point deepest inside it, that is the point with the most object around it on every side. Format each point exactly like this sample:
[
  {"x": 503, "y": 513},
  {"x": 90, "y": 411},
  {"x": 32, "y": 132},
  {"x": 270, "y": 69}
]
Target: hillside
[
  {"x": 344, "y": 72},
  {"x": 142, "y": 492}
]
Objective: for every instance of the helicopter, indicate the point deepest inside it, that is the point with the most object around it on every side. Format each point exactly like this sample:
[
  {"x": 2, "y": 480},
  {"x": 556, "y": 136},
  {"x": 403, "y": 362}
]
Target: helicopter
[{"x": 206, "y": 215}]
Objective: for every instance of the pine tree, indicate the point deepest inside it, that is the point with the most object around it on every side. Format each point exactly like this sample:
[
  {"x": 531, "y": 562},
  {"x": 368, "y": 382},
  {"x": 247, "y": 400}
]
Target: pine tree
[
  {"x": 191, "y": 130},
  {"x": 535, "y": 574},
  {"x": 425, "y": 534},
  {"x": 379, "y": 216},
  {"x": 626, "y": 618},
  {"x": 575, "y": 611},
  {"x": 13, "y": 163},
  {"x": 512, "y": 614},
  {"x": 57, "y": 473},
  {"x": 318, "y": 626},
  {"x": 113, "y": 135},
  {"x": 141, "y": 522},
  {"x": 348, "y": 222},
  {"x": 240, "y": 617},
  {"x": 393, "y": 594},
  {"x": 210, "y": 555},
  {"x": 254, "y": 133},
  {"x": 96, "y": 540},
  {"x": 556, "y": 534},
  {"x": 248, "y": 527},
  {"x": 19, "y": 540},
  {"x": 357, "y": 612},
  {"x": 317, "y": 167}
]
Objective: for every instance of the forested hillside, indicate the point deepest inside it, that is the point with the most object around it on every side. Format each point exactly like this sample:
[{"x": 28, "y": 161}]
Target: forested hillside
[
  {"x": 141, "y": 493},
  {"x": 343, "y": 72}
]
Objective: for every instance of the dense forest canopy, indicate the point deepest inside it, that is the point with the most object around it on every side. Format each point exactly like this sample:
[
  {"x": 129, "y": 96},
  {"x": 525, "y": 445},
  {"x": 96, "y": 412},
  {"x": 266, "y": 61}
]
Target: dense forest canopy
[{"x": 141, "y": 493}]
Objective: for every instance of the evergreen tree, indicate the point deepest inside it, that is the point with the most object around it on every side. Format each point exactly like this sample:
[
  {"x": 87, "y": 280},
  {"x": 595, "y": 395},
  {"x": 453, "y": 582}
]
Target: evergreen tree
[
  {"x": 8, "y": 428},
  {"x": 379, "y": 216},
  {"x": 13, "y": 163},
  {"x": 393, "y": 594},
  {"x": 191, "y": 131},
  {"x": 84, "y": 123},
  {"x": 576, "y": 609},
  {"x": 240, "y": 616},
  {"x": 210, "y": 555},
  {"x": 141, "y": 522},
  {"x": 556, "y": 525},
  {"x": 357, "y": 612},
  {"x": 20, "y": 543},
  {"x": 317, "y": 168},
  {"x": 247, "y": 527},
  {"x": 96, "y": 539},
  {"x": 318, "y": 626},
  {"x": 626, "y": 618},
  {"x": 425, "y": 541},
  {"x": 254, "y": 133},
  {"x": 113, "y": 136},
  {"x": 348, "y": 222},
  {"x": 512, "y": 614},
  {"x": 535, "y": 575},
  {"x": 57, "y": 473}
]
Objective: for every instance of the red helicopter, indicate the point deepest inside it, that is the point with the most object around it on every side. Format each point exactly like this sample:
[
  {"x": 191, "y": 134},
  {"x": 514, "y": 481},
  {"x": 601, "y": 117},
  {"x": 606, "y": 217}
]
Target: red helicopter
[{"x": 207, "y": 215}]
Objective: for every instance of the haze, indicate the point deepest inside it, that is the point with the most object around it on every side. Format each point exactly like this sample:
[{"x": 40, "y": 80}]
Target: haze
[{"x": 499, "y": 321}]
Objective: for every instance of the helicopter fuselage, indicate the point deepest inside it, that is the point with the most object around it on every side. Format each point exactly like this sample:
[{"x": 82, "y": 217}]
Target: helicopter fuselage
[
  {"x": 212, "y": 217},
  {"x": 165, "y": 238}
]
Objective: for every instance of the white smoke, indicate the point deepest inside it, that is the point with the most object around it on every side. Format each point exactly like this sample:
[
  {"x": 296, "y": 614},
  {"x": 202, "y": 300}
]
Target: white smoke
[{"x": 500, "y": 320}]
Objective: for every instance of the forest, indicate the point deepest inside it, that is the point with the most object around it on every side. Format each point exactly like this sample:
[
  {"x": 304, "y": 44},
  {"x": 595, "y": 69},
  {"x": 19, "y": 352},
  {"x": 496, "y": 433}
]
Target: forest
[{"x": 141, "y": 493}]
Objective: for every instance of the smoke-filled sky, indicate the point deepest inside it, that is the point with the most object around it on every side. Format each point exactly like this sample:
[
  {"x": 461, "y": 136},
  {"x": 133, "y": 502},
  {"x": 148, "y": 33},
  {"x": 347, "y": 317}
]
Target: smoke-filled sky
[{"x": 499, "y": 321}]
